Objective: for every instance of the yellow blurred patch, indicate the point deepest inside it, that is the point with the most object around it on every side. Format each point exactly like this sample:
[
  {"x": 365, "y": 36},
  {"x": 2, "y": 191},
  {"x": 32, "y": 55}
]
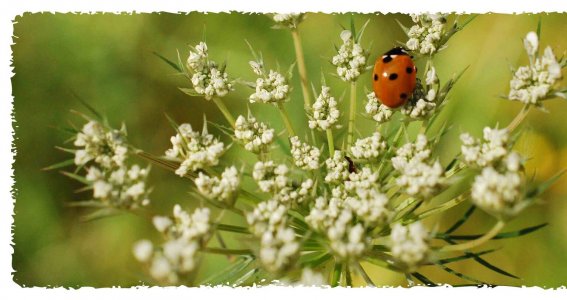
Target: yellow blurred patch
[{"x": 542, "y": 157}]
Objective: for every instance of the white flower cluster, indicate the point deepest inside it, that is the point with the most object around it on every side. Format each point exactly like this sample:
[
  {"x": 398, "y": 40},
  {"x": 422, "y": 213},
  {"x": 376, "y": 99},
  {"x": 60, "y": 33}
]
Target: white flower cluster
[
  {"x": 270, "y": 89},
  {"x": 418, "y": 176},
  {"x": 491, "y": 150},
  {"x": 499, "y": 192},
  {"x": 325, "y": 111},
  {"x": 368, "y": 148},
  {"x": 223, "y": 189},
  {"x": 304, "y": 155},
  {"x": 120, "y": 187},
  {"x": 379, "y": 112},
  {"x": 113, "y": 182},
  {"x": 351, "y": 58},
  {"x": 106, "y": 148},
  {"x": 333, "y": 219},
  {"x": 425, "y": 105},
  {"x": 273, "y": 179},
  {"x": 207, "y": 79},
  {"x": 311, "y": 278},
  {"x": 288, "y": 20},
  {"x": 533, "y": 83},
  {"x": 256, "y": 136},
  {"x": 337, "y": 168},
  {"x": 355, "y": 207},
  {"x": 498, "y": 189},
  {"x": 426, "y": 34},
  {"x": 194, "y": 150},
  {"x": 184, "y": 234},
  {"x": 410, "y": 244},
  {"x": 278, "y": 245}
]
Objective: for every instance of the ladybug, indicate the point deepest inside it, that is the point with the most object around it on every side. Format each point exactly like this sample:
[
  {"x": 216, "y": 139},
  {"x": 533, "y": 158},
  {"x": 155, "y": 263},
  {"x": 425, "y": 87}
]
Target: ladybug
[{"x": 394, "y": 77}]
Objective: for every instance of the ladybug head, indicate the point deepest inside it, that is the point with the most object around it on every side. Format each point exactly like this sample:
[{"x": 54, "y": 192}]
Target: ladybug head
[{"x": 397, "y": 51}]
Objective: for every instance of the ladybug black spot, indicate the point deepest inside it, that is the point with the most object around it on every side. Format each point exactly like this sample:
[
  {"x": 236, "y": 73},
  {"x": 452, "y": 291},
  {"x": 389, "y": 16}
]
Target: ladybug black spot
[
  {"x": 403, "y": 95},
  {"x": 375, "y": 77},
  {"x": 409, "y": 70},
  {"x": 393, "y": 76},
  {"x": 386, "y": 59}
]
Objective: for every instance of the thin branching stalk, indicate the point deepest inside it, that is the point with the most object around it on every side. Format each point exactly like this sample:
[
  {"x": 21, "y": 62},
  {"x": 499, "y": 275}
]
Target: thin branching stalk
[
  {"x": 286, "y": 120},
  {"x": 352, "y": 113},
  {"x": 475, "y": 243},
  {"x": 331, "y": 142},
  {"x": 222, "y": 107},
  {"x": 301, "y": 67},
  {"x": 519, "y": 118}
]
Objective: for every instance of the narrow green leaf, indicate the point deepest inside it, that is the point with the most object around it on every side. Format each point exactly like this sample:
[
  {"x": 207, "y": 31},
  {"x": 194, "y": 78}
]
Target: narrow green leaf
[
  {"x": 468, "y": 255},
  {"x": 79, "y": 178},
  {"x": 423, "y": 279},
  {"x": 538, "y": 31},
  {"x": 88, "y": 106},
  {"x": 336, "y": 274},
  {"x": 100, "y": 214},
  {"x": 542, "y": 187},
  {"x": 462, "y": 220},
  {"x": 86, "y": 203},
  {"x": 503, "y": 235},
  {"x": 314, "y": 259},
  {"x": 60, "y": 165},
  {"x": 404, "y": 28},
  {"x": 169, "y": 62},
  {"x": 190, "y": 92},
  {"x": 476, "y": 257},
  {"x": 233, "y": 228},
  {"x": 460, "y": 275},
  {"x": 227, "y": 274}
]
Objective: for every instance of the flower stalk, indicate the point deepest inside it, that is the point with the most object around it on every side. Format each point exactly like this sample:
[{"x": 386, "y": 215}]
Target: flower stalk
[
  {"x": 352, "y": 113},
  {"x": 331, "y": 142},
  {"x": 477, "y": 242},
  {"x": 224, "y": 110},
  {"x": 286, "y": 120}
]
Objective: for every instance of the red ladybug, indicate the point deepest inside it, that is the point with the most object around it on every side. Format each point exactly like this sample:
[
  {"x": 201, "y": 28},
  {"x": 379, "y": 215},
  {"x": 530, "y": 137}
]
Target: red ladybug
[{"x": 394, "y": 77}]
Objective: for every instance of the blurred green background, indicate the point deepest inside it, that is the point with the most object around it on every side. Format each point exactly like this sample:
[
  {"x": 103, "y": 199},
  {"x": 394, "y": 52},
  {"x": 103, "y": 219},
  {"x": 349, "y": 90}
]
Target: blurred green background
[{"x": 107, "y": 60}]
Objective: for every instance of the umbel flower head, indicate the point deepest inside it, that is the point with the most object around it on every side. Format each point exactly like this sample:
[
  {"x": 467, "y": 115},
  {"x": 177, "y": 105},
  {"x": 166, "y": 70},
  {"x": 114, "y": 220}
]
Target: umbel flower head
[
  {"x": 223, "y": 189},
  {"x": 418, "y": 176},
  {"x": 410, "y": 244},
  {"x": 535, "y": 83},
  {"x": 193, "y": 149},
  {"x": 113, "y": 182},
  {"x": 290, "y": 21},
  {"x": 498, "y": 188},
  {"x": 208, "y": 79},
  {"x": 424, "y": 100},
  {"x": 426, "y": 35},
  {"x": 105, "y": 147},
  {"x": 121, "y": 187},
  {"x": 377, "y": 111},
  {"x": 325, "y": 112},
  {"x": 184, "y": 235},
  {"x": 304, "y": 155},
  {"x": 270, "y": 88},
  {"x": 351, "y": 58},
  {"x": 255, "y": 136}
]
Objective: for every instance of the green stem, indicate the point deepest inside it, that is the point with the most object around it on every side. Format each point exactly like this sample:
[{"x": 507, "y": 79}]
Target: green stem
[
  {"x": 352, "y": 114},
  {"x": 348, "y": 276},
  {"x": 364, "y": 275},
  {"x": 331, "y": 142},
  {"x": 301, "y": 67},
  {"x": 519, "y": 118},
  {"x": 225, "y": 251},
  {"x": 285, "y": 118},
  {"x": 474, "y": 243},
  {"x": 336, "y": 275},
  {"x": 225, "y": 111}
]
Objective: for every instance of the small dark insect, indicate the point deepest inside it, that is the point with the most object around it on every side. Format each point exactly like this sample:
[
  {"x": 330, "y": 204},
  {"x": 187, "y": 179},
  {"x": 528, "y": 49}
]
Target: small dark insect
[{"x": 351, "y": 165}]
